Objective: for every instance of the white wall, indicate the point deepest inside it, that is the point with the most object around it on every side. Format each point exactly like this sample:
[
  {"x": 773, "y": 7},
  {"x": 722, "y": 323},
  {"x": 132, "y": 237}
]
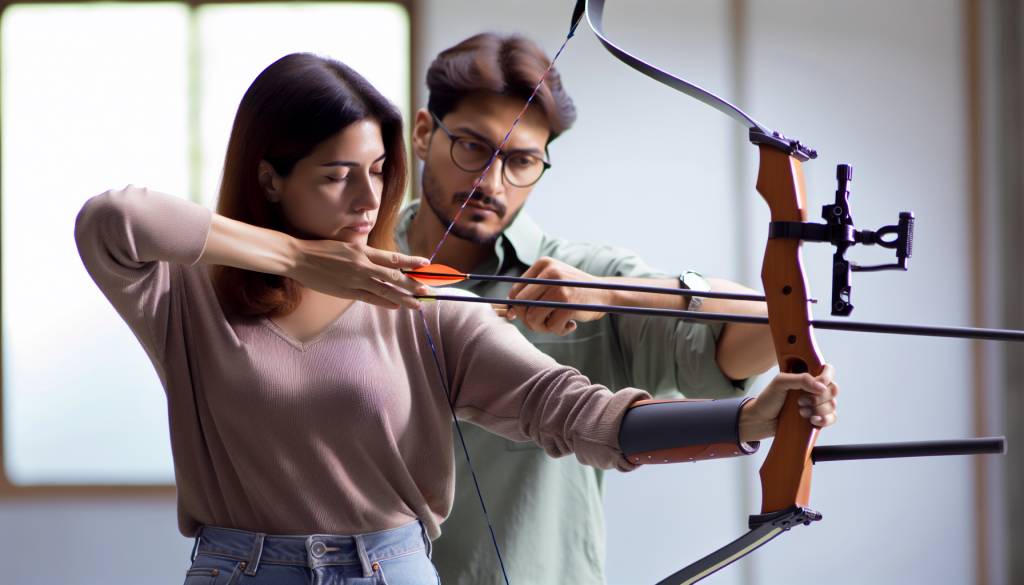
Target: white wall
[
  {"x": 881, "y": 85},
  {"x": 877, "y": 84},
  {"x": 91, "y": 541}
]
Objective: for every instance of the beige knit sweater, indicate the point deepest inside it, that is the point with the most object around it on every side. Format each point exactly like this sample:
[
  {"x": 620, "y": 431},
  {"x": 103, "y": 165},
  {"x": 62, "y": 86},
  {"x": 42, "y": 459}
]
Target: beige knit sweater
[{"x": 347, "y": 433}]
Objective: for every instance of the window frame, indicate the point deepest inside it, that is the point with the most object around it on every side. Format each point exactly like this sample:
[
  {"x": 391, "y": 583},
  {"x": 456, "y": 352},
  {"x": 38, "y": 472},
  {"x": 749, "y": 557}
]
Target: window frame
[{"x": 10, "y": 490}]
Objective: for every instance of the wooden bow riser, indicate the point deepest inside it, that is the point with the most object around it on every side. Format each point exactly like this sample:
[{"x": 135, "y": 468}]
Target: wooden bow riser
[{"x": 786, "y": 472}]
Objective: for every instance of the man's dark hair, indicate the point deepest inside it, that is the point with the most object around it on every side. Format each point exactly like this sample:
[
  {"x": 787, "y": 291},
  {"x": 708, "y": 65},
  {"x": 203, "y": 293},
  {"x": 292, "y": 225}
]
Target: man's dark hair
[{"x": 509, "y": 65}]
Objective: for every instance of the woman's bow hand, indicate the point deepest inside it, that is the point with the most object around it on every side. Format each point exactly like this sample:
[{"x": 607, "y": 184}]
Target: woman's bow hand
[{"x": 759, "y": 417}]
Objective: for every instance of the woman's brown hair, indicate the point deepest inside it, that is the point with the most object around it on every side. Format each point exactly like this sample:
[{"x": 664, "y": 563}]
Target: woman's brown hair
[{"x": 296, "y": 103}]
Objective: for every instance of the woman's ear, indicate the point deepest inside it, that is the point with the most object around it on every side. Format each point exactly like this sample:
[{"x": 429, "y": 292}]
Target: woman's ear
[
  {"x": 422, "y": 130},
  {"x": 270, "y": 181}
]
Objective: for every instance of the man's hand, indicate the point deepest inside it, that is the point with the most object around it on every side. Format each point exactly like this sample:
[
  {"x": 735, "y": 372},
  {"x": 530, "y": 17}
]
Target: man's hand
[
  {"x": 759, "y": 418},
  {"x": 558, "y": 321}
]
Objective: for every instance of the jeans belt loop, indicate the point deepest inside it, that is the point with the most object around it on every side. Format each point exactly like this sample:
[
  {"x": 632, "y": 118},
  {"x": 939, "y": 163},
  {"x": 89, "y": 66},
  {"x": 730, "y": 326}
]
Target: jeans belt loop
[
  {"x": 426, "y": 541},
  {"x": 195, "y": 546},
  {"x": 364, "y": 559},
  {"x": 255, "y": 554}
]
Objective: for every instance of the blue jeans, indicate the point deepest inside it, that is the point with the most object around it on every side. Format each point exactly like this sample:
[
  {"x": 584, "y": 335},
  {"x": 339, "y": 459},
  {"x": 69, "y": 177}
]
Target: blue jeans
[{"x": 226, "y": 556}]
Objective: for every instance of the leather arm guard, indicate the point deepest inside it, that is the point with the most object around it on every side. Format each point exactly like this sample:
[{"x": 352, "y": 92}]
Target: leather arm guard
[{"x": 675, "y": 431}]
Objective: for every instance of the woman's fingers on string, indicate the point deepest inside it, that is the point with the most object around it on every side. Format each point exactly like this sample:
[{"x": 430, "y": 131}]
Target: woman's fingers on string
[
  {"x": 394, "y": 277},
  {"x": 387, "y": 266},
  {"x": 395, "y": 259}
]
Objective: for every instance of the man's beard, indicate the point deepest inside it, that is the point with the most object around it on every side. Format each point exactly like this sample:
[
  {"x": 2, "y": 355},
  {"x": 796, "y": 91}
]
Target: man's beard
[{"x": 432, "y": 195}]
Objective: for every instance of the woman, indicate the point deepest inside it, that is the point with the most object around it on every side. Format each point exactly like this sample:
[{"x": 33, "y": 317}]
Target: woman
[{"x": 298, "y": 412}]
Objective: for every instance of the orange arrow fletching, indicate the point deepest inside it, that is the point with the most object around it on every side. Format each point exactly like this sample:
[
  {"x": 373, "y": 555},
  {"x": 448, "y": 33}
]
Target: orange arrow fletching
[{"x": 436, "y": 275}]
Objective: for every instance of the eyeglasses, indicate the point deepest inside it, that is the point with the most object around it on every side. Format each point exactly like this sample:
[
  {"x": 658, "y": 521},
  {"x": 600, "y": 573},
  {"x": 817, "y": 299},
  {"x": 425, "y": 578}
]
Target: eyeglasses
[{"x": 520, "y": 169}]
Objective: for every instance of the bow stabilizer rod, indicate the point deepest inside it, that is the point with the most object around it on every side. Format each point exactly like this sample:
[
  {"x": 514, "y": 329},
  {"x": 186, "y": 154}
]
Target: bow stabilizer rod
[{"x": 974, "y": 446}]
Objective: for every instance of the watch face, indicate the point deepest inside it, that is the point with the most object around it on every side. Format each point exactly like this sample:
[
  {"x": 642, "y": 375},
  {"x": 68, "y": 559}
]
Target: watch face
[{"x": 694, "y": 281}]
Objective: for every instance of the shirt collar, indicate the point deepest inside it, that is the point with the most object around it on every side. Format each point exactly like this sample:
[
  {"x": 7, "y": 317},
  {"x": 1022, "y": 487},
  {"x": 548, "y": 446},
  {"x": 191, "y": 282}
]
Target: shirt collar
[
  {"x": 521, "y": 241},
  {"x": 525, "y": 237}
]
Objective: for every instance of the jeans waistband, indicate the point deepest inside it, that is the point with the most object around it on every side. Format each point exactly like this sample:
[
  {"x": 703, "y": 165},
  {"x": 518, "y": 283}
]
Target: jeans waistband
[{"x": 314, "y": 550}]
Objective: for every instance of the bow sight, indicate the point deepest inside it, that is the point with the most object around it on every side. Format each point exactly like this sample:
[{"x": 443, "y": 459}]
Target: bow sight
[{"x": 839, "y": 230}]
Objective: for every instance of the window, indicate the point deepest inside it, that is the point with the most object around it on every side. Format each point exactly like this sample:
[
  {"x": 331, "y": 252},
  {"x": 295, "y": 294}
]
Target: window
[{"x": 97, "y": 96}]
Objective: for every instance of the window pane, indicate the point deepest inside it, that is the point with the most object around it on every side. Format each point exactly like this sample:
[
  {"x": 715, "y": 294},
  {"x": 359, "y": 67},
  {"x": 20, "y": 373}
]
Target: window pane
[
  {"x": 94, "y": 97},
  {"x": 236, "y": 42}
]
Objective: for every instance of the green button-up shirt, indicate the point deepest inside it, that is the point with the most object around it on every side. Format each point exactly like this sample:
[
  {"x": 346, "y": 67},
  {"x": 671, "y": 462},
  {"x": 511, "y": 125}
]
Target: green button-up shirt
[{"x": 547, "y": 513}]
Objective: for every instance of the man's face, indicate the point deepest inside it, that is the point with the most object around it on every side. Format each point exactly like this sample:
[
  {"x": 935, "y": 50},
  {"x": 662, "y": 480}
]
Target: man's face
[{"x": 485, "y": 119}]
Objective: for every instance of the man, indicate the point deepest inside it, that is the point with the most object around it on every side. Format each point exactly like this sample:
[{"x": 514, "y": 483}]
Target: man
[{"x": 547, "y": 513}]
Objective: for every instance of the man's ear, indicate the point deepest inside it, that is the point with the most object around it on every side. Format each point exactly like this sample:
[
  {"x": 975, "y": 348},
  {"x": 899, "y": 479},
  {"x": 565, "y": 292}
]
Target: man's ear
[
  {"x": 422, "y": 129},
  {"x": 270, "y": 181}
]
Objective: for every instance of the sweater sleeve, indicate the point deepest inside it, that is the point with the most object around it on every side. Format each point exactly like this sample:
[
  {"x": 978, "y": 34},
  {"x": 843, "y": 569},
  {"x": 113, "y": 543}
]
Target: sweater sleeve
[
  {"x": 500, "y": 381},
  {"x": 129, "y": 241}
]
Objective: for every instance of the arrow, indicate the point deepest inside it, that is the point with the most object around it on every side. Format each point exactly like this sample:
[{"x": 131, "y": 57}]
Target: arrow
[
  {"x": 890, "y": 328},
  {"x": 442, "y": 275}
]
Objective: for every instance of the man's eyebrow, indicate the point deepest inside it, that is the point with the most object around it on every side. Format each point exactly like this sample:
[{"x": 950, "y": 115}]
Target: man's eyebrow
[
  {"x": 349, "y": 163},
  {"x": 464, "y": 130}
]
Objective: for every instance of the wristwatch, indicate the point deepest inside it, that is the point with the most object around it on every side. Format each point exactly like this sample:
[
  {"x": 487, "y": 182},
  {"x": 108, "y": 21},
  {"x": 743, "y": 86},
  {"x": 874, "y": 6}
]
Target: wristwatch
[{"x": 693, "y": 281}]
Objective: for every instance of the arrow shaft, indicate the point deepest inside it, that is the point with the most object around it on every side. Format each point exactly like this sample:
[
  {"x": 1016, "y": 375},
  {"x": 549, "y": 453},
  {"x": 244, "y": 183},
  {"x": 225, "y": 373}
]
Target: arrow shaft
[
  {"x": 618, "y": 309},
  {"x": 888, "y": 328},
  {"x": 596, "y": 285}
]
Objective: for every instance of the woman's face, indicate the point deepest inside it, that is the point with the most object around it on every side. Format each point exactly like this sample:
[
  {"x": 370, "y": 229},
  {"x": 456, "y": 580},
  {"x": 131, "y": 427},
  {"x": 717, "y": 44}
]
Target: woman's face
[{"x": 334, "y": 193}]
